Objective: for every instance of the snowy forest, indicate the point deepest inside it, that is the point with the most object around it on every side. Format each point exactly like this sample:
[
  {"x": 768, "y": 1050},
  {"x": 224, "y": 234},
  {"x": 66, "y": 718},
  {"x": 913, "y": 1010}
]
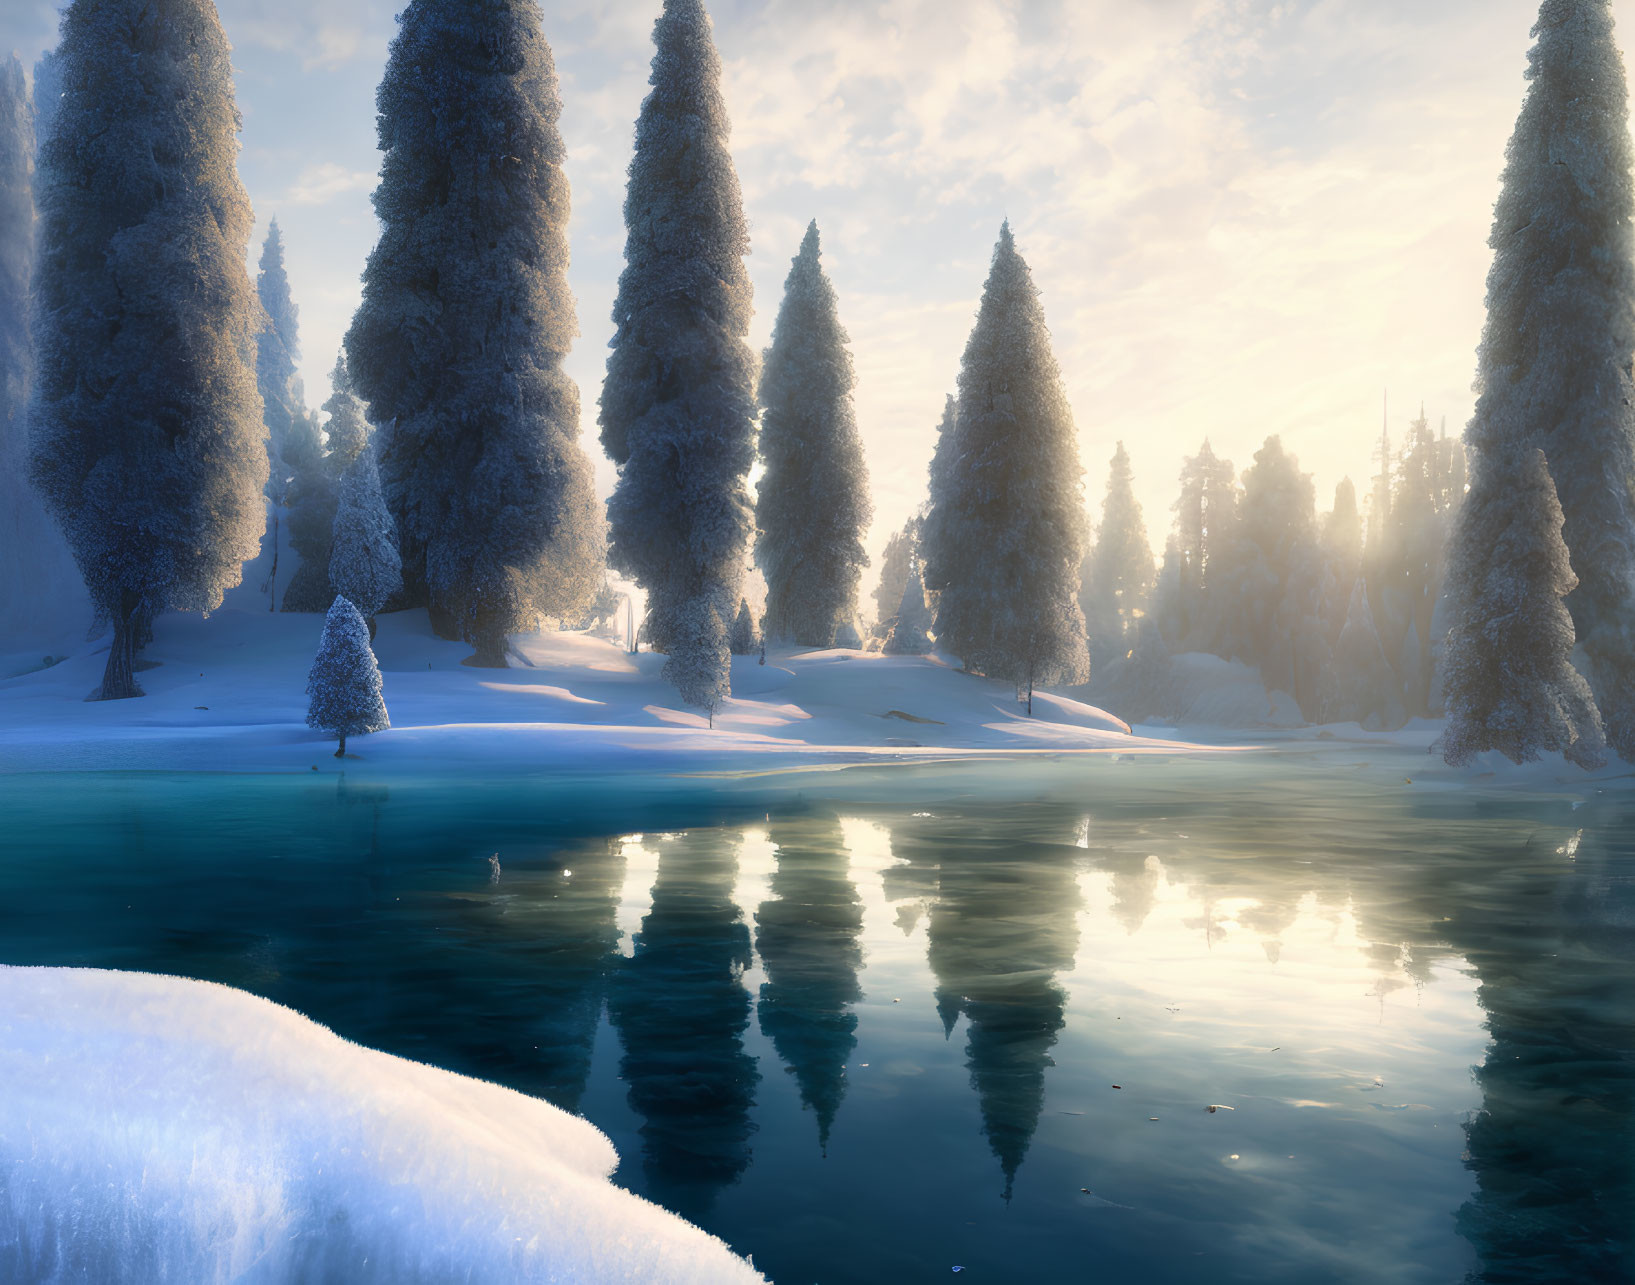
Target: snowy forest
[{"x": 159, "y": 449}]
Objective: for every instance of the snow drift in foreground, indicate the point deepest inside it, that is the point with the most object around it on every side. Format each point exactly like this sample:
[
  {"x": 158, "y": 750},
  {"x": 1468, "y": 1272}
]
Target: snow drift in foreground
[{"x": 159, "y": 1129}]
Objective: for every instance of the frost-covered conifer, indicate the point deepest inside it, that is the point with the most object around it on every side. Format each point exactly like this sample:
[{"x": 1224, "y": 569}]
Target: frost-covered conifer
[
  {"x": 147, "y": 432},
  {"x": 900, "y": 551},
  {"x": 911, "y": 624},
  {"x": 746, "y": 638},
  {"x": 678, "y": 404},
  {"x": 813, "y": 499},
  {"x": 848, "y": 636},
  {"x": 1553, "y": 369},
  {"x": 364, "y": 565},
  {"x": 466, "y": 317},
  {"x": 346, "y": 431},
  {"x": 700, "y": 663},
  {"x": 1361, "y": 687},
  {"x": 40, "y": 589},
  {"x": 1509, "y": 679},
  {"x": 298, "y": 489},
  {"x": 283, "y": 399},
  {"x": 315, "y": 490},
  {"x": 1005, "y": 537},
  {"x": 1169, "y": 598},
  {"x": 1118, "y": 571},
  {"x": 1341, "y": 542},
  {"x": 1278, "y": 572},
  {"x": 344, "y": 685},
  {"x": 16, "y": 252},
  {"x": 1206, "y": 516}
]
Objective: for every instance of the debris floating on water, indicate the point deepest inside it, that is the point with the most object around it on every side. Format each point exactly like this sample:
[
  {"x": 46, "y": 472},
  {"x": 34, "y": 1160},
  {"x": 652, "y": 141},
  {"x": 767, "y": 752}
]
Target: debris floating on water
[{"x": 1216, "y": 1106}]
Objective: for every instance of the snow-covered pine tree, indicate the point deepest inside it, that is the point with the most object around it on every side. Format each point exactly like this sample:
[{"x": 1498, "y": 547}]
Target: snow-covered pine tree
[
  {"x": 678, "y": 404},
  {"x": 746, "y": 638},
  {"x": 700, "y": 663},
  {"x": 813, "y": 498},
  {"x": 344, "y": 683},
  {"x": 1553, "y": 368},
  {"x": 900, "y": 551},
  {"x": 1278, "y": 576},
  {"x": 1169, "y": 597},
  {"x": 364, "y": 565},
  {"x": 1009, "y": 526},
  {"x": 283, "y": 399},
  {"x": 346, "y": 430},
  {"x": 911, "y": 622},
  {"x": 1509, "y": 679},
  {"x": 147, "y": 432},
  {"x": 1361, "y": 686},
  {"x": 1206, "y": 519},
  {"x": 40, "y": 589},
  {"x": 16, "y": 259},
  {"x": 1118, "y": 571},
  {"x": 1341, "y": 541},
  {"x": 314, "y": 492},
  {"x": 466, "y": 318},
  {"x": 47, "y": 94}
]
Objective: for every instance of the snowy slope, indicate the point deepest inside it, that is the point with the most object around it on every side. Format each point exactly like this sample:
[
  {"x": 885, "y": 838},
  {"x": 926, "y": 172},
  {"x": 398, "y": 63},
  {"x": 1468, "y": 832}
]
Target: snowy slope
[
  {"x": 228, "y": 693},
  {"x": 160, "y": 1129}
]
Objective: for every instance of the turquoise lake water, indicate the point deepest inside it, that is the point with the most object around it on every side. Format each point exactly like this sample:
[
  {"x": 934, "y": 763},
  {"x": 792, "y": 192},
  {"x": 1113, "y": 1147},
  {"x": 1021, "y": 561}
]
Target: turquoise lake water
[{"x": 874, "y": 1026}]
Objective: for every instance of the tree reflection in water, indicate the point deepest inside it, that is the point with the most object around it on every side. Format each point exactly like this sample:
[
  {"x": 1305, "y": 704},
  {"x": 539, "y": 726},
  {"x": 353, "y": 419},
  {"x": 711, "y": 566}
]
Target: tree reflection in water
[
  {"x": 681, "y": 1009},
  {"x": 807, "y": 936}
]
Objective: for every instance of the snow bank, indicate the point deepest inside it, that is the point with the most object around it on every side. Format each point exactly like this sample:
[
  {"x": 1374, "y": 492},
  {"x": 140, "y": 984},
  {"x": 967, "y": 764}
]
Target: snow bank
[
  {"x": 228, "y": 694},
  {"x": 158, "y": 1129}
]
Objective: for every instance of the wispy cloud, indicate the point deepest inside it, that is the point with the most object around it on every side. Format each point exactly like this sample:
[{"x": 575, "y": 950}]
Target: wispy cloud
[{"x": 326, "y": 181}]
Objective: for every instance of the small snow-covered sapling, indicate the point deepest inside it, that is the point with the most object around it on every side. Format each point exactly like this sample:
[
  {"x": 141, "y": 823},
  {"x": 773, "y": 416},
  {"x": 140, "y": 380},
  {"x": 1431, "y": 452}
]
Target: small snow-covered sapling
[{"x": 345, "y": 680}]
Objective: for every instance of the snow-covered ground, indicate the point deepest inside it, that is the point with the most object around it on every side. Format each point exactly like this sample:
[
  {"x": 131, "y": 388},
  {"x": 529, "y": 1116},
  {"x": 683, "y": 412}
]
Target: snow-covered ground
[
  {"x": 156, "y": 1128},
  {"x": 228, "y": 693}
]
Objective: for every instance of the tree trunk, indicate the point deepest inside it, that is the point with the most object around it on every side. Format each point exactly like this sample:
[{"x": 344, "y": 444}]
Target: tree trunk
[
  {"x": 1030, "y": 688},
  {"x": 119, "y": 679},
  {"x": 341, "y": 753},
  {"x": 489, "y": 647},
  {"x": 444, "y": 623},
  {"x": 371, "y": 623}
]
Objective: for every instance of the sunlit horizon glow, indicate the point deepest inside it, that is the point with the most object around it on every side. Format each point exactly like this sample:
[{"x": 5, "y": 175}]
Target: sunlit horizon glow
[{"x": 1245, "y": 217}]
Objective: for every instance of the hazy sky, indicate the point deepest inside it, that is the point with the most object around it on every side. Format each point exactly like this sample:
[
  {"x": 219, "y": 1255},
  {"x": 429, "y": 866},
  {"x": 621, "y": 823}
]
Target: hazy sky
[{"x": 1245, "y": 216}]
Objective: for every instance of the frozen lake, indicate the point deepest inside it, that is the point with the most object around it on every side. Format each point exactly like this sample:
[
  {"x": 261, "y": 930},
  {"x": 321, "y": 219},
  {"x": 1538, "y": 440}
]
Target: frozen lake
[{"x": 876, "y": 1025}]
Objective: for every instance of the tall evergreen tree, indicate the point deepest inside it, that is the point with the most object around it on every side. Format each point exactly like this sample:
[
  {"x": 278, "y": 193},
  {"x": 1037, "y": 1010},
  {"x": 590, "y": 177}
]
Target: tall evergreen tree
[
  {"x": 894, "y": 563},
  {"x": 1005, "y": 538},
  {"x": 1206, "y": 517},
  {"x": 364, "y": 565},
  {"x": 466, "y": 317},
  {"x": 678, "y": 404},
  {"x": 1279, "y": 572},
  {"x": 911, "y": 621},
  {"x": 147, "y": 425},
  {"x": 745, "y": 639},
  {"x": 1341, "y": 541},
  {"x": 1510, "y": 681},
  {"x": 813, "y": 499},
  {"x": 346, "y": 431},
  {"x": 1553, "y": 369},
  {"x": 283, "y": 399},
  {"x": 40, "y": 591},
  {"x": 1118, "y": 572},
  {"x": 298, "y": 491}
]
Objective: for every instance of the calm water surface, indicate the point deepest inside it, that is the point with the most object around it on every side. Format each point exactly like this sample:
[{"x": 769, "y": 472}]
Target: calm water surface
[{"x": 876, "y": 1026}]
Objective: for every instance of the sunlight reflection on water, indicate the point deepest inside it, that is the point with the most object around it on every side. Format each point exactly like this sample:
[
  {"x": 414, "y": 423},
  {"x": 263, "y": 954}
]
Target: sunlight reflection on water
[{"x": 951, "y": 1017}]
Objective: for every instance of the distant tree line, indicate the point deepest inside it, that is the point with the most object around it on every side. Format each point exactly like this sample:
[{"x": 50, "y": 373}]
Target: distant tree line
[{"x": 170, "y": 439}]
